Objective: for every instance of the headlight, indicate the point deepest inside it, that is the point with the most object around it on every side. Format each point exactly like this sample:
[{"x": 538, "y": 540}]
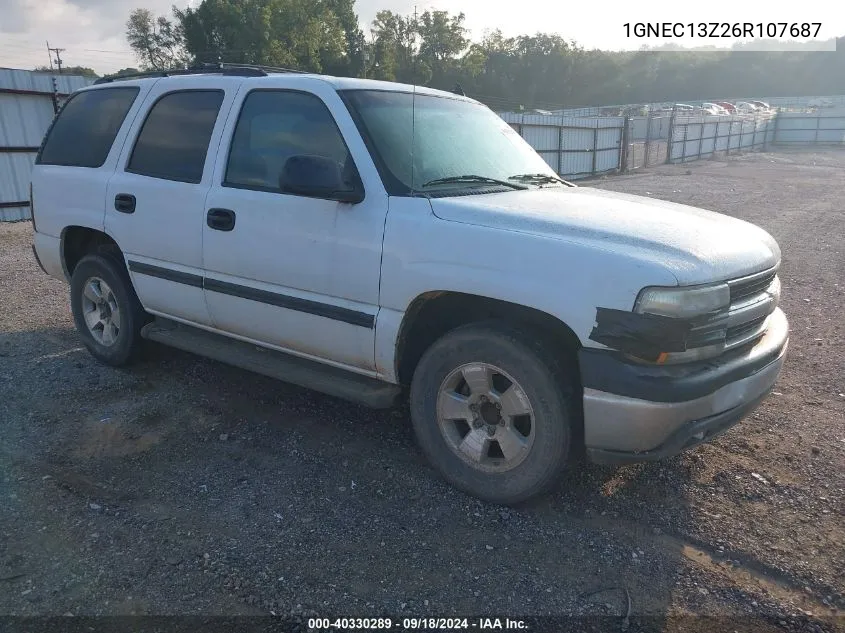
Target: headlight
[
  {"x": 683, "y": 303},
  {"x": 704, "y": 307}
]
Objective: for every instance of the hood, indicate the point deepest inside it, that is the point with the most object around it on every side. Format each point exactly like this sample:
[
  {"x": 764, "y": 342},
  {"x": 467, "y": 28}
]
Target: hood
[{"x": 695, "y": 245}]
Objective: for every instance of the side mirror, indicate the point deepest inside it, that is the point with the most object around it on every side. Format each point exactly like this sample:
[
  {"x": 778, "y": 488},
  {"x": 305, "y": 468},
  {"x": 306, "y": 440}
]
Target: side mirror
[{"x": 318, "y": 177}]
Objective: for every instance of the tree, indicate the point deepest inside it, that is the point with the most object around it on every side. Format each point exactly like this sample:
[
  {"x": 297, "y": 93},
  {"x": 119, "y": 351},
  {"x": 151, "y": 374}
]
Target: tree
[
  {"x": 488, "y": 66},
  {"x": 393, "y": 46},
  {"x": 442, "y": 39},
  {"x": 353, "y": 62},
  {"x": 70, "y": 70},
  {"x": 303, "y": 34},
  {"x": 157, "y": 42},
  {"x": 123, "y": 72}
]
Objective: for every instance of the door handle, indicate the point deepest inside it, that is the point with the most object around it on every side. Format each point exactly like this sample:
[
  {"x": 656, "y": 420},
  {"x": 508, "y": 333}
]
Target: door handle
[
  {"x": 221, "y": 219},
  {"x": 124, "y": 202}
]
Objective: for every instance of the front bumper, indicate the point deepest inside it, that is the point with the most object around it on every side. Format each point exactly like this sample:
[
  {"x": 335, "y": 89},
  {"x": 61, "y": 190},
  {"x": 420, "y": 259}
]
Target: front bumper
[{"x": 635, "y": 412}]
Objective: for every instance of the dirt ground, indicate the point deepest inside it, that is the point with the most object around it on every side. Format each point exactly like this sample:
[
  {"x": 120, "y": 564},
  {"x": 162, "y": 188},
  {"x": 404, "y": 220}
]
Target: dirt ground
[{"x": 183, "y": 486}]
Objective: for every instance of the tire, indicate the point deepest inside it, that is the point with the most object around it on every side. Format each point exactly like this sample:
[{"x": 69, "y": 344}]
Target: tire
[
  {"x": 502, "y": 356},
  {"x": 119, "y": 346}
]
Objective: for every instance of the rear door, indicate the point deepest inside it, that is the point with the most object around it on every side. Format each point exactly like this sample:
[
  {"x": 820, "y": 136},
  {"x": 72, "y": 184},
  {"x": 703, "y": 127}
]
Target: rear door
[
  {"x": 155, "y": 205},
  {"x": 79, "y": 154}
]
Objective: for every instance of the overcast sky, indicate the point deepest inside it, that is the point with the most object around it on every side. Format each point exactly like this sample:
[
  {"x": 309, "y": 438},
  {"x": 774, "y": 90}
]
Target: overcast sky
[{"x": 91, "y": 31}]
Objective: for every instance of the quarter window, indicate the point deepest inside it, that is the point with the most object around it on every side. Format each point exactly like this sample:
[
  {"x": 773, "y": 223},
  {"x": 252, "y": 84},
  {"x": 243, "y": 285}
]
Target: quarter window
[
  {"x": 275, "y": 125},
  {"x": 173, "y": 141},
  {"x": 83, "y": 133}
]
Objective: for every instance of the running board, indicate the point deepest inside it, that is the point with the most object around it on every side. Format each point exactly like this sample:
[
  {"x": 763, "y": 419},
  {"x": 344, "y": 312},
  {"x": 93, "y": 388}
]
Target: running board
[{"x": 286, "y": 367}]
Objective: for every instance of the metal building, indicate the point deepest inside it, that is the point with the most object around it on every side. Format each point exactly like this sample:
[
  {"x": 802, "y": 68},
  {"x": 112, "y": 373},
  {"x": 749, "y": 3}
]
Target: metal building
[{"x": 26, "y": 110}]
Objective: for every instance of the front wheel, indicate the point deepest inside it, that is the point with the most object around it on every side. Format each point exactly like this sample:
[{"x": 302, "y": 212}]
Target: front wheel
[{"x": 492, "y": 411}]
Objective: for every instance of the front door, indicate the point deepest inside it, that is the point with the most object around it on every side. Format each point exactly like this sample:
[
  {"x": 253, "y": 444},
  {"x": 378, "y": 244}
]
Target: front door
[{"x": 297, "y": 273}]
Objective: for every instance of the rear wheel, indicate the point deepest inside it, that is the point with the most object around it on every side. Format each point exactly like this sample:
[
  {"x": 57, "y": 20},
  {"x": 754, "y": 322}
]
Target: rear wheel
[
  {"x": 106, "y": 309},
  {"x": 491, "y": 410}
]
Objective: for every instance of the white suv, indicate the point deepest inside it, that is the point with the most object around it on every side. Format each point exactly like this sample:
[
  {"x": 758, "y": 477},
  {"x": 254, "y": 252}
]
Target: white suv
[{"x": 360, "y": 238}]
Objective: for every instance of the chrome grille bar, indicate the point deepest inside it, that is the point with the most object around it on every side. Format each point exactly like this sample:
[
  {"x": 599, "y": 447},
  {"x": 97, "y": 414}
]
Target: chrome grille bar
[{"x": 751, "y": 306}]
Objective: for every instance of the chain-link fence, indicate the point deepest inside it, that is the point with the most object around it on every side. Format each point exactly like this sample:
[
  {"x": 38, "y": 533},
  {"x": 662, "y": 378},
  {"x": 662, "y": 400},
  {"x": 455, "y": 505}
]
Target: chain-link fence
[
  {"x": 647, "y": 140},
  {"x": 694, "y": 138}
]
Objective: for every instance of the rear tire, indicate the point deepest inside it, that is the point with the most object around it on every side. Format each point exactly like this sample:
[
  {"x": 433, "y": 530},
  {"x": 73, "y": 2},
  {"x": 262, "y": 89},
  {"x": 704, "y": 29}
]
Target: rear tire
[
  {"x": 492, "y": 411},
  {"x": 106, "y": 310}
]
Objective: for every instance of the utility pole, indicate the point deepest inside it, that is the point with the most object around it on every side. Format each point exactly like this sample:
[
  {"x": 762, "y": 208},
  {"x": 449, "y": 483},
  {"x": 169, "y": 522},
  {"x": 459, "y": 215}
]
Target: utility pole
[
  {"x": 55, "y": 95},
  {"x": 58, "y": 52}
]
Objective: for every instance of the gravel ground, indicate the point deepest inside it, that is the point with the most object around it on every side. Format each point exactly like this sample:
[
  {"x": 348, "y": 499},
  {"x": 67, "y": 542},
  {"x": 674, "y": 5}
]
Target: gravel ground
[{"x": 183, "y": 486}]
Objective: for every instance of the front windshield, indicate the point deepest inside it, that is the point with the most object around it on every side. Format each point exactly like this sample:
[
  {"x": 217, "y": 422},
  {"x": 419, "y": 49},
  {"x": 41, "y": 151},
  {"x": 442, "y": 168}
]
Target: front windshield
[{"x": 451, "y": 137}]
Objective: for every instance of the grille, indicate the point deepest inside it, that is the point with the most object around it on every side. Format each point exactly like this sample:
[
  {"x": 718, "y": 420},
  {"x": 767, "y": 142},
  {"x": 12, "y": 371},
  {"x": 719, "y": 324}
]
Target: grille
[
  {"x": 750, "y": 308},
  {"x": 746, "y": 328},
  {"x": 749, "y": 286}
]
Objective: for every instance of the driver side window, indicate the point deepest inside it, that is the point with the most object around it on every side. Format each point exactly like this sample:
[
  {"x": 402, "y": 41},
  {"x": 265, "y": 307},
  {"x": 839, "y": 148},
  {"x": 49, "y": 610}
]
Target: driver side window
[{"x": 275, "y": 125}]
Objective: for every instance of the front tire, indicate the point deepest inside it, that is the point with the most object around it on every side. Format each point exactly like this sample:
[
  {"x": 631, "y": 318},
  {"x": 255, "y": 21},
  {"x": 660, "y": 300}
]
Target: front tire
[
  {"x": 106, "y": 310},
  {"x": 491, "y": 409}
]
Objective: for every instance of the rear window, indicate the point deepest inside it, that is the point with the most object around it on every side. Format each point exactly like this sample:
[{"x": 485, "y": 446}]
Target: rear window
[
  {"x": 174, "y": 140},
  {"x": 83, "y": 133}
]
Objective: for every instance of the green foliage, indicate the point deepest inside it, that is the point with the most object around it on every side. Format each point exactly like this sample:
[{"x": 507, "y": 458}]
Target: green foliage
[
  {"x": 69, "y": 70},
  {"x": 157, "y": 42},
  {"x": 125, "y": 71},
  {"x": 122, "y": 72},
  {"x": 531, "y": 71},
  {"x": 319, "y": 36},
  {"x": 393, "y": 47}
]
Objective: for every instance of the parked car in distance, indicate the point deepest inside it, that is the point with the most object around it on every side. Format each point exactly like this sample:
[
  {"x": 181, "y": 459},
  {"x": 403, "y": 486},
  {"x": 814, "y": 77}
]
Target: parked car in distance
[
  {"x": 381, "y": 242},
  {"x": 744, "y": 107},
  {"x": 762, "y": 105},
  {"x": 729, "y": 107},
  {"x": 714, "y": 108}
]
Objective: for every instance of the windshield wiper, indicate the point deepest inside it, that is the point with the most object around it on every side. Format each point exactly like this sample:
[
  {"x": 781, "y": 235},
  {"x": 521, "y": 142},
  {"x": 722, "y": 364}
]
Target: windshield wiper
[
  {"x": 540, "y": 179},
  {"x": 471, "y": 178}
]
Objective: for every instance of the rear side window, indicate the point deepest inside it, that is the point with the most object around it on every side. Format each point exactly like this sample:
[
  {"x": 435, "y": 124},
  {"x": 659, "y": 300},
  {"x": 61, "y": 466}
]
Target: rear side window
[
  {"x": 173, "y": 141},
  {"x": 83, "y": 133}
]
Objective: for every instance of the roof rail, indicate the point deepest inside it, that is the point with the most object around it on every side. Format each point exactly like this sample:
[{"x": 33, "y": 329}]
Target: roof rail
[
  {"x": 238, "y": 70},
  {"x": 271, "y": 69}
]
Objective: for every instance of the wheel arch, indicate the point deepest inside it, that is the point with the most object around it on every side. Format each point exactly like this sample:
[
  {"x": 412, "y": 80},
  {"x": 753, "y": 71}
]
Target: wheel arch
[
  {"x": 78, "y": 241},
  {"x": 431, "y": 314}
]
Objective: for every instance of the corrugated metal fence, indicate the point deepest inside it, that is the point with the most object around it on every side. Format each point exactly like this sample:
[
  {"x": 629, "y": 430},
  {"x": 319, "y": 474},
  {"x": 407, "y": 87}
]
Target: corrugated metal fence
[
  {"x": 27, "y": 106},
  {"x": 574, "y": 147},
  {"x": 590, "y": 146},
  {"x": 802, "y": 128}
]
